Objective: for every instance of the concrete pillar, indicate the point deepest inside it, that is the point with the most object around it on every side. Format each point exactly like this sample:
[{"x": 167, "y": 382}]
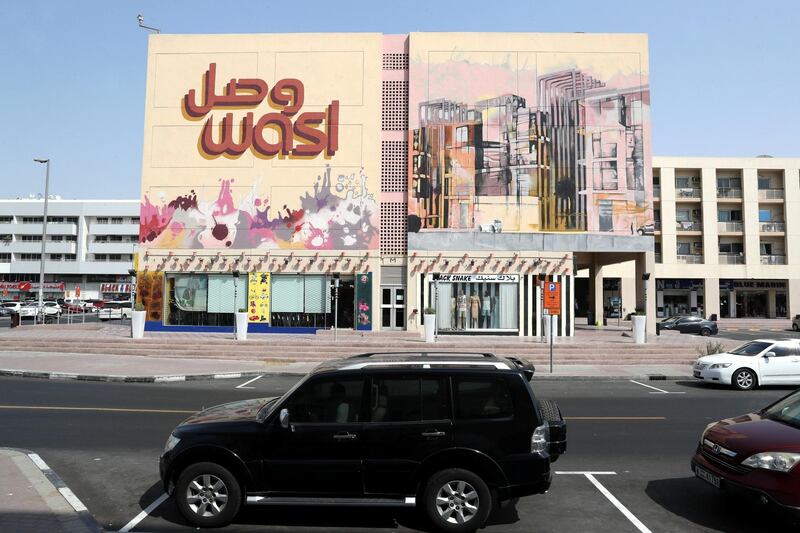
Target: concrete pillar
[
  {"x": 596, "y": 290},
  {"x": 646, "y": 289},
  {"x": 711, "y": 297},
  {"x": 793, "y": 294},
  {"x": 732, "y": 304},
  {"x": 692, "y": 301},
  {"x": 627, "y": 291},
  {"x": 771, "y": 303}
]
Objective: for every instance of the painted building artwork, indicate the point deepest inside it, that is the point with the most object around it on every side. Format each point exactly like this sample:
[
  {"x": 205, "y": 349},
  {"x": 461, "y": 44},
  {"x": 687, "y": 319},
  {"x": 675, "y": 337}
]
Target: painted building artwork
[{"x": 530, "y": 136}]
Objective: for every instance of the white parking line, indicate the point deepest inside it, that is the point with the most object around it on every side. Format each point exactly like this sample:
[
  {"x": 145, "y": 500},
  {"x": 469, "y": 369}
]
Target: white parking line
[
  {"x": 242, "y": 386},
  {"x": 624, "y": 510},
  {"x": 141, "y": 516},
  {"x": 72, "y": 499},
  {"x": 660, "y": 391}
]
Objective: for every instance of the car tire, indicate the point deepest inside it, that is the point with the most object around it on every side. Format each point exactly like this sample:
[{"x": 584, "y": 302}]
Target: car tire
[
  {"x": 744, "y": 379},
  {"x": 705, "y": 332},
  {"x": 454, "y": 494},
  {"x": 795, "y": 327},
  {"x": 199, "y": 491}
]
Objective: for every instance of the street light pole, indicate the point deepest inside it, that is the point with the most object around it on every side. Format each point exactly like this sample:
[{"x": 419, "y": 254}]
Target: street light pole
[{"x": 44, "y": 236}]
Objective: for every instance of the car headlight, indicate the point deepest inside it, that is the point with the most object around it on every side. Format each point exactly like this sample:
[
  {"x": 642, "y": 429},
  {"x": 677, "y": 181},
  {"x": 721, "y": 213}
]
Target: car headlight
[
  {"x": 172, "y": 441},
  {"x": 778, "y": 461},
  {"x": 719, "y": 365}
]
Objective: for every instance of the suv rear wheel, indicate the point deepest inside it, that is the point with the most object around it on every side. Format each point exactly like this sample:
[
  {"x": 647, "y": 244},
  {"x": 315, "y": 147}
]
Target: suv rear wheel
[
  {"x": 208, "y": 495},
  {"x": 457, "y": 500}
]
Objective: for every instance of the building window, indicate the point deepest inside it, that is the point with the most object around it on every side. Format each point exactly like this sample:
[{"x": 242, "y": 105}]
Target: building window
[
  {"x": 31, "y": 238},
  {"x": 6, "y": 220},
  {"x": 115, "y": 238},
  {"x": 55, "y": 220},
  {"x": 100, "y": 257},
  {"x": 102, "y": 220},
  {"x": 5, "y": 258},
  {"x": 30, "y": 257},
  {"x": 55, "y": 238},
  {"x": 681, "y": 183},
  {"x": 763, "y": 183},
  {"x": 731, "y": 248},
  {"x": 69, "y": 257},
  {"x": 134, "y": 220},
  {"x": 683, "y": 248},
  {"x": 117, "y": 220},
  {"x": 764, "y": 215},
  {"x": 32, "y": 220},
  {"x": 70, "y": 238},
  {"x": 6, "y": 238},
  {"x": 55, "y": 257},
  {"x": 71, "y": 220},
  {"x": 114, "y": 257}
]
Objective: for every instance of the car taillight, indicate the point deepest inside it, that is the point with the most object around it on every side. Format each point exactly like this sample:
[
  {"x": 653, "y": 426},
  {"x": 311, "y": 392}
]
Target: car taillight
[{"x": 540, "y": 439}]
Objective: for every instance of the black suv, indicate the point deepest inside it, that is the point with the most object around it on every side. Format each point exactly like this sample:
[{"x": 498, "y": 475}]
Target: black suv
[{"x": 452, "y": 434}]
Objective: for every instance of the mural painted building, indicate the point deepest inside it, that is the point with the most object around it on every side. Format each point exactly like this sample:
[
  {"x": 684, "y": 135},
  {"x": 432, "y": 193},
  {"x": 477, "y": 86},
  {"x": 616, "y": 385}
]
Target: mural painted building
[{"x": 369, "y": 177}]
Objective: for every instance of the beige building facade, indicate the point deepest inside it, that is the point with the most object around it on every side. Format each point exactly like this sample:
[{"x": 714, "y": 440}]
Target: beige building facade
[{"x": 727, "y": 240}]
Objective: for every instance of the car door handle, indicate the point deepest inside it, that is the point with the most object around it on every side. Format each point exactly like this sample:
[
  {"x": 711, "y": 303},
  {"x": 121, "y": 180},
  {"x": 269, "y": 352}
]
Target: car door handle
[
  {"x": 345, "y": 436},
  {"x": 432, "y": 434}
]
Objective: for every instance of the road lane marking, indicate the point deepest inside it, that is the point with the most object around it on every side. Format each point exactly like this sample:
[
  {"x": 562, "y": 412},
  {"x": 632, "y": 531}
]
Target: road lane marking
[
  {"x": 583, "y": 473},
  {"x": 624, "y": 510},
  {"x": 101, "y": 409},
  {"x": 660, "y": 391},
  {"x": 168, "y": 379},
  {"x": 38, "y": 461},
  {"x": 633, "y": 418},
  {"x": 242, "y": 386},
  {"x": 72, "y": 499},
  {"x": 141, "y": 516}
]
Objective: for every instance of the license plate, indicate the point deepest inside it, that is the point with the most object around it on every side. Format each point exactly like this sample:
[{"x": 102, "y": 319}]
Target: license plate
[
  {"x": 707, "y": 476},
  {"x": 697, "y": 373}
]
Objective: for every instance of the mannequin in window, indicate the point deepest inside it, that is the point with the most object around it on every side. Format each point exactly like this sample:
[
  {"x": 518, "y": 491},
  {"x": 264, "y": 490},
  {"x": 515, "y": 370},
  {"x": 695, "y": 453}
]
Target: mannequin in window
[
  {"x": 474, "y": 311},
  {"x": 486, "y": 309},
  {"x": 453, "y": 315},
  {"x": 461, "y": 307}
]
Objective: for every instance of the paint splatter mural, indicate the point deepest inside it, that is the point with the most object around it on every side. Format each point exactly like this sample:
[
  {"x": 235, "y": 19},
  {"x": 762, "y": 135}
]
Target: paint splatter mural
[
  {"x": 533, "y": 142},
  {"x": 339, "y": 213}
]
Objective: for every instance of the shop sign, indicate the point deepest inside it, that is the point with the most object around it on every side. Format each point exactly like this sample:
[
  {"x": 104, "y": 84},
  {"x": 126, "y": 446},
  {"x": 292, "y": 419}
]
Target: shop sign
[
  {"x": 477, "y": 278},
  {"x": 26, "y": 286},
  {"x": 679, "y": 284},
  {"x": 258, "y": 296},
  {"x": 116, "y": 287},
  {"x": 552, "y": 297},
  {"x": 751, "y": 284}
]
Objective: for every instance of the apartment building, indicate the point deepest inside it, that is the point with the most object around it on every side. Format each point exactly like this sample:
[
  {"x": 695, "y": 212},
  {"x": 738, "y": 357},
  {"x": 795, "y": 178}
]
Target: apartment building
[
  {"x": 88, "y": 251},
  {"x": 727, "y": 239}
]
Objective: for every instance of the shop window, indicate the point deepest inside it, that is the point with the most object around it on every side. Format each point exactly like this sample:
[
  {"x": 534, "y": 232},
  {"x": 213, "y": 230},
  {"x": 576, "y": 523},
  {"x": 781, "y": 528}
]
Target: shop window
[
  {"x": 476, "y": 306},
  {"x": 203, "y": 300},
  {"x": 305, "y": 301}
]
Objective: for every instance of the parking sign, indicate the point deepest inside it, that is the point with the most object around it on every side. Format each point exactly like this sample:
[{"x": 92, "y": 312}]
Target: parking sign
[{"x": 552, "y": 297}]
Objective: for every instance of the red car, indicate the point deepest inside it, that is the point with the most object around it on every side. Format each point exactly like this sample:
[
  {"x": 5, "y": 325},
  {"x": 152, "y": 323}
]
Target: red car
[{"x": 757, "y": 452}]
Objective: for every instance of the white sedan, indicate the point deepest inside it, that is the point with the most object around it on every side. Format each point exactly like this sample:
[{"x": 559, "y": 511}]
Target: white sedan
[{"x": 754, "y": 363}]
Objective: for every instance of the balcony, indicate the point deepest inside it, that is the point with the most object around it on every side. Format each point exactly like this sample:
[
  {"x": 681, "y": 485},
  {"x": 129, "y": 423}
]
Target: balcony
[
  {"x": 771, "y": 227},
  {"x": 731, "y": 259},
  {"x": 656, "y": 191},
  {"x": 730, "y": 227},
  {"x": 53, "y": 228},
  {"x": 688, "y": 192},
  {"x": 659, "y": 258},
  {"x": 114, "y": 229},
  {"x": 770, "y": 194},
  {"x": 689, "y": 225},
  {"x": 32, "y": 247},
  {"x": 773, "y": 259},
  {"x": 691, "y": 259},
  {"x": 729, "y": 192},
  {"x": 111, "y": 247}
]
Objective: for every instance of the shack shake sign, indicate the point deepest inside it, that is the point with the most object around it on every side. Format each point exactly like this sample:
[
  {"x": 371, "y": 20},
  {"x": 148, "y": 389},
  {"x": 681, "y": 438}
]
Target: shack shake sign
[{"x": 294, "y": 134}]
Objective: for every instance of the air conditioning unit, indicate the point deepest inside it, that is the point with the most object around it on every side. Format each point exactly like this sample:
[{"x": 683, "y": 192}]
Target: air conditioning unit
[
  {"x": 696, "y": 179},
  {"x": 697, "y": 214}
]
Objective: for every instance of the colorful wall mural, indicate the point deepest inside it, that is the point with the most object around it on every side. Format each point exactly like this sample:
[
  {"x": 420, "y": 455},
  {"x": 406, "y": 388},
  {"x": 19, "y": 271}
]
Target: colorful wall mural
[
  {"x": 263, "y": 143},
  {"x": 529, "y": 133}
]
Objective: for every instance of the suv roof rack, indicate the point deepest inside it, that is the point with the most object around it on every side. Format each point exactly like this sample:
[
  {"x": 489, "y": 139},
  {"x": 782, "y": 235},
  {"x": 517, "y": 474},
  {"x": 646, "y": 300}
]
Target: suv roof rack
[{"x": 425, "y": 353}]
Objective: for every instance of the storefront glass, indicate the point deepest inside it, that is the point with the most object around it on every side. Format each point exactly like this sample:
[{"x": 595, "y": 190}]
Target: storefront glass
[
  {"x": 203, "y": 300},
  {"x": 310, "y": 301},
  {"x": 478, "y": 303}
]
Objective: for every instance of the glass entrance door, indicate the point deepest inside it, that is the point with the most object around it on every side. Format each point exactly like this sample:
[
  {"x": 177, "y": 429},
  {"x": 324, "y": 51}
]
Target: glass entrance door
[{"x": 393, "y": 308}]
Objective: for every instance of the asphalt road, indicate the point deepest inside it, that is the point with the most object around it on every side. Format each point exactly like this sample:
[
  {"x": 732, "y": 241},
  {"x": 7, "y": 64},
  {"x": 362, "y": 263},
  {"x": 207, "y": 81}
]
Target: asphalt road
[
  {"x": 109, "y": 457},
  {"x": 5, "y": 321},
  {"x": 744, "y": 334}
]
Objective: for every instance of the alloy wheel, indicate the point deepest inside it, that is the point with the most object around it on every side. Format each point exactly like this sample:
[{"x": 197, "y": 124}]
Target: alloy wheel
[
  {"x": 207, "y": 495},
  {"x": 744, "y": 380},
  {"x": 457, "y": 502}
]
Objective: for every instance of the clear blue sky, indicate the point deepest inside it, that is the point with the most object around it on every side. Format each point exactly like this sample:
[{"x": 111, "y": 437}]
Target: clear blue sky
[{"x": 724, "y": 74}]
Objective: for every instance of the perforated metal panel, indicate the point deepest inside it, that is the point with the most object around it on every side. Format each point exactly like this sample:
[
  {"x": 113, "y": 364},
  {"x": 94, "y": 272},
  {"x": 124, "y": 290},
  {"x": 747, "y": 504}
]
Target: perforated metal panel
[
  {"x": 395, "y": 61},
  {"x": 394, "y": 228},
  {"x": 394, "y": 106},
  {"x": 394, "y": 166}
]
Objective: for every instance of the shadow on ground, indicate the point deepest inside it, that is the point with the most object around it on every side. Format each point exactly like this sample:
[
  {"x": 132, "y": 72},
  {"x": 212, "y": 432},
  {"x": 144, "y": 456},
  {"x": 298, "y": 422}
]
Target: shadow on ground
[
  {"x": 324, "y": 518},
  {"x": 720, "y": 510}
]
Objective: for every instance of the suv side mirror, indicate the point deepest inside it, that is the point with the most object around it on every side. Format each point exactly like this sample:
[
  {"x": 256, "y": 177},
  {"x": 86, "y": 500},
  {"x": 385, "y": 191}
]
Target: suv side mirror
[
  {"x": 769, "y": 354},
  {"x": 284, "y": 418}
]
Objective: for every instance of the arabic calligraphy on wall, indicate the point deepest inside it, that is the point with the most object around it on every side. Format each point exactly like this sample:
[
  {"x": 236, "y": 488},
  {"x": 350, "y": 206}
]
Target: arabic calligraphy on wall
[{"x": 288, "y": 133}]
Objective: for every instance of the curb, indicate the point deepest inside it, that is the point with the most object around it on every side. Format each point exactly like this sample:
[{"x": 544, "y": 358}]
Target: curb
[
  {"x": 237, "y": 375},
  {"x": 78, "y": 506}
]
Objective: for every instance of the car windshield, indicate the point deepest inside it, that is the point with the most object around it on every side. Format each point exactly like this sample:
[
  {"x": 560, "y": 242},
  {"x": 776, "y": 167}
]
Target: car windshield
[
  {"x": 751, "y": 348},
  {"x": 786, "y": 410}
]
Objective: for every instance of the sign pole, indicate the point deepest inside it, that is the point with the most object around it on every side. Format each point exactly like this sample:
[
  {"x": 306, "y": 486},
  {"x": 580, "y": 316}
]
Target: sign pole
[
  {"x": 335, "y": 309},
  {"x": 551, "y": 344}
]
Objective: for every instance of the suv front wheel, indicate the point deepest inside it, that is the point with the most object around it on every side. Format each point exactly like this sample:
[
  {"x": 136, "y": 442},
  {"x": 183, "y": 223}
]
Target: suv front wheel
[
  {"x": 457, "y": 500},
  {"x": 208, "y": 495}
]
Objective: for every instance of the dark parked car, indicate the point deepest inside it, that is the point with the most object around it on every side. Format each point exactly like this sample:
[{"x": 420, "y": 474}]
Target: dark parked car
[
  {"x": 450, "y": 434},
  {"x": 688, "y": 324},
  {"x": 757, "y": 452}
]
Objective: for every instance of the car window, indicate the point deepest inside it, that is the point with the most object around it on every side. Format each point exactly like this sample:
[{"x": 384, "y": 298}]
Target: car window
[
  {"x": 751, "y": 348},
  {"x": 786, "y": 410},
  {"x": 783, "y": 350},
  {"x": 482, "y": 398},
  {"x": 408, "y": 399},
  {"x": 327, "y": 401}
]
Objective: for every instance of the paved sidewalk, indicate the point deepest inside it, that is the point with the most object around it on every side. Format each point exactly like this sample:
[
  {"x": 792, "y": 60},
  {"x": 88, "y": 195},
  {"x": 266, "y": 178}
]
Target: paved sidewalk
[
  {"x": 137, "y": 368},
  {"x": 35, "y": 499}
]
